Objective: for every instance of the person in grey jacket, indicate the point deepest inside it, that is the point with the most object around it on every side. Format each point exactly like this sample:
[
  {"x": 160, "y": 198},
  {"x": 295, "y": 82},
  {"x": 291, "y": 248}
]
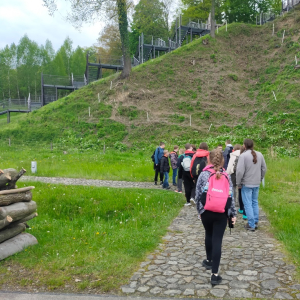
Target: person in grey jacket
[{"x": 250, "y": 172}]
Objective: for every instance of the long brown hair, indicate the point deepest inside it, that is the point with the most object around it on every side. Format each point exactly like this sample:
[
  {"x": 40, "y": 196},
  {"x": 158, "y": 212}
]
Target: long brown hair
[
  {"x": 216, "y": 158},
  {"x": 249, "y": 146}
]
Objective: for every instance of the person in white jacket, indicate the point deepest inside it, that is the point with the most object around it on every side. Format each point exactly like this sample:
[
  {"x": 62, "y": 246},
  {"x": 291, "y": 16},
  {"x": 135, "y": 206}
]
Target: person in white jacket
[{"x": 231, "y": 168}]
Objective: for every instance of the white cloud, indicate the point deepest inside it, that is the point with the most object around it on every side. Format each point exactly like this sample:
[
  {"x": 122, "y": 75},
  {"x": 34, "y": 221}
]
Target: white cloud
[{"x": 20, "y": 17}]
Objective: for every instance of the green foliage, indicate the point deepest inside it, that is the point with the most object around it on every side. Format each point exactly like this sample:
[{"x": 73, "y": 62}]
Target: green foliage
[
  {"x": 177, "y": 118},
  {"x": 282, "y": 211},
  {"x": 128, "y": 111},
  {"x": 21, "y": 66},
  {"x": 233, "y": 77},
  {"x": 148, "y": 18}
]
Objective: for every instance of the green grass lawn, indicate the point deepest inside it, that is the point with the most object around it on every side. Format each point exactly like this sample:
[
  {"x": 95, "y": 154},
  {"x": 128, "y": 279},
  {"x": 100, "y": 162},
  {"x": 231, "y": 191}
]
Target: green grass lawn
[
  {"x": 114, "y": 165},
  {"x": 281, "y": 201},
  {"x": 96, "y": 235}
]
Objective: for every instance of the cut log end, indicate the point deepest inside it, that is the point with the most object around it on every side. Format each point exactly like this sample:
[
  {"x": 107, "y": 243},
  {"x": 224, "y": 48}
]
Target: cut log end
[{"x": 9, "y": 219}]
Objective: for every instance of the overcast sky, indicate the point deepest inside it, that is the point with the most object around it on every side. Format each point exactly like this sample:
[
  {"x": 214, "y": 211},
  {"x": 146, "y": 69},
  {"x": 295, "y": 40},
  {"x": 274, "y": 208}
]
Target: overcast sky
[{"x": 20, "y": 17}]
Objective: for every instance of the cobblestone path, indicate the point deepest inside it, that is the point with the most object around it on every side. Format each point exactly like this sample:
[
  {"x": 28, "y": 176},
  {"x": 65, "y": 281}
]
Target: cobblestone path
[
  {"x": 91, "y": 182},
  {"x": 252, "y": 264}
]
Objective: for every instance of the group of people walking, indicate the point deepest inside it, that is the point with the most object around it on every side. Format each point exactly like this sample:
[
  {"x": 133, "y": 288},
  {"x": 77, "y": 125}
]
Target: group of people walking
[{"x": 213, "y": 180}]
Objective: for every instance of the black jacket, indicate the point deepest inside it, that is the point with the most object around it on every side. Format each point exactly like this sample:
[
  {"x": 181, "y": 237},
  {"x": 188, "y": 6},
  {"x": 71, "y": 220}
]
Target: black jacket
[
  {"x": 164, "y": 165},
  {"x": 180, "y": 168}
]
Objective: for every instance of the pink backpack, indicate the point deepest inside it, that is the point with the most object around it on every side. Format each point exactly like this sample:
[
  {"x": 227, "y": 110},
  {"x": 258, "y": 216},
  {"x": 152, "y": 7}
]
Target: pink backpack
[{"x": 218, "y": 195}]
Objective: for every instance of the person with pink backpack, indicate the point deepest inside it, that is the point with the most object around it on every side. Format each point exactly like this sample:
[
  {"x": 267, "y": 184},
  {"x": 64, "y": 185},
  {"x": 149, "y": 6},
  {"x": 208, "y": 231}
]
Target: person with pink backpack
[{"x": 215, "y": 204}]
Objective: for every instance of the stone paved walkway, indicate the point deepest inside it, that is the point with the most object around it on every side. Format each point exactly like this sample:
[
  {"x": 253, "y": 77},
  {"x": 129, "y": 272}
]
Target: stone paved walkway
[
  {"x": 91, "y": 182},
  {"x": 252, "y": 264}
]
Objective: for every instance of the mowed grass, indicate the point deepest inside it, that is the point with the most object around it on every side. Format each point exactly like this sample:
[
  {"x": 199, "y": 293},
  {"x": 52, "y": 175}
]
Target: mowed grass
[
  {"x": 95, "y": 236},
  {"x": 280, "y": 199},
  {"x": 113, "y": 165}
]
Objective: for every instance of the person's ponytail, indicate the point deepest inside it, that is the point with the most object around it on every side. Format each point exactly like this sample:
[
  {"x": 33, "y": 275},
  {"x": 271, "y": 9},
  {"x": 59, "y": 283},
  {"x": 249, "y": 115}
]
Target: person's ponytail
[{"x": 254, "y": 156}]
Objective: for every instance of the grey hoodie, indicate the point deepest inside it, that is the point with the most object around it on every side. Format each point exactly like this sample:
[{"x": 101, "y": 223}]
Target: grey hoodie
[{"x": 248, "y": 173}]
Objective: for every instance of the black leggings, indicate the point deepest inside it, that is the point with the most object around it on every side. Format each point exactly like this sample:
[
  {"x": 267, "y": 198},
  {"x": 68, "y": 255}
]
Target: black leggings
[
  {"x": 188, "y": 185},
  {"x": 215, "y": 225},
  {"x": 157, "y": 171}
]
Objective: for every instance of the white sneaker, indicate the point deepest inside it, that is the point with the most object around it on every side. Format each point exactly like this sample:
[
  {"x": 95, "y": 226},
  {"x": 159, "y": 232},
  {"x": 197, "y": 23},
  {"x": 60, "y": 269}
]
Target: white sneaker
[
  {"x": 187, "y": 204},
  {"x": 193, "y": 201},
  {"x": 199, "y": 217}
]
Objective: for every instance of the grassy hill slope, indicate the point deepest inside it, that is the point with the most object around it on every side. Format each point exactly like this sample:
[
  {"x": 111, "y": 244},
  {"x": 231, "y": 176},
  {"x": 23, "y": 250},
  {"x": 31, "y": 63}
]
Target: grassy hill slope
[{"x": 225, "y": 86}]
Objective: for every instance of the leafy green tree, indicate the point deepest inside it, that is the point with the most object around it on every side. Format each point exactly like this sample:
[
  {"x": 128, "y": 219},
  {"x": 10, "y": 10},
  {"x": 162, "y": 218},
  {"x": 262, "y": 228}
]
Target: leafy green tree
[
  {"x": 110, "y": 40},
  {"x": 195, "y": 10},
  {"x": 78, "y": 61},
  {"x": 29, "y": 66},
  {"x": 148, "y": 18}
]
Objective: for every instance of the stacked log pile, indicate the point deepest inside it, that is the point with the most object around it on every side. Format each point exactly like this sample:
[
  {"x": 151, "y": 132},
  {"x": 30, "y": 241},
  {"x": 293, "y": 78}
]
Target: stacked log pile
[{"x": 16, "y": 208}]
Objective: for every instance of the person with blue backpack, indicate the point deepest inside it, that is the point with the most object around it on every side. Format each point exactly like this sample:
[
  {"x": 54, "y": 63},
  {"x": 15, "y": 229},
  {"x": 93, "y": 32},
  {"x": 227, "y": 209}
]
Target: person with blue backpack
[
  {"x": 157, "y": 155},
  {"x": 216, "y": 206},
  {"x": 184, "y": 163}
]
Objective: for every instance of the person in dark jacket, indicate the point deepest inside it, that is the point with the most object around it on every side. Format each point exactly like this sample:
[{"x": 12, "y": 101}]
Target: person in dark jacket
[
  {"x": 179, "y": 178},
  {"x": 174, "y": 158},
  {"x": 165, "y": 169},
  {"x": 159, "y": 152},
  {"x": 184, "y": 163},
  {"x": 198, "y": 163}
]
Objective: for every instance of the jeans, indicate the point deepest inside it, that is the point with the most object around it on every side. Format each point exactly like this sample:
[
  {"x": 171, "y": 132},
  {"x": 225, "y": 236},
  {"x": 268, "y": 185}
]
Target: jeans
[
  {"x": 166, "y": 181},
  {"x": 174, "y": 175},
  {"x": 250, "y": 200}
]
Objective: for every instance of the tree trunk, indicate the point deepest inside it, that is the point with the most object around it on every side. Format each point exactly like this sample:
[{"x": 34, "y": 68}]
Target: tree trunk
[
  {"x": 213, "y": 25},
  {"x": 5, "y": 222},
  {"x": 9, "y": 178},
  {"x": 18, "y": 210},
  {"x": 11, "y": 232},
  {"x": 23, "y": 220},
  {"x": 15, "y": 191},
  {"x": 15, "y": 198},
  {"x": 123, "y": 28},
  {"x": 16, "y": 244}
]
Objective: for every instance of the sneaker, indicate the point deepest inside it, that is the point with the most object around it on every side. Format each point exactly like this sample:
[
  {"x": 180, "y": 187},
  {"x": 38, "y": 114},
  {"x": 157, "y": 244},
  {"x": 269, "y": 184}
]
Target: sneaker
[
  {"x": 155, "y": 183},
  {"x": 247, "y": 226},
  {"x": 207, "y": 264},
  {"x": 256, "y": 225},
  {"x": 176, "y": 191},
  {"x": 199, "y": 217},
  {"x": 168, "y": 187},
  {"x": 193, "y": 201},
  {"x": 240, "y": 211},
  {"x": 215, "y": 279},
  {"x": 161, "y": 183},
  {"x": 188, "y": 204},
  {"x": 245, "y": 217},
  {"x": 174, "y": 184}
]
